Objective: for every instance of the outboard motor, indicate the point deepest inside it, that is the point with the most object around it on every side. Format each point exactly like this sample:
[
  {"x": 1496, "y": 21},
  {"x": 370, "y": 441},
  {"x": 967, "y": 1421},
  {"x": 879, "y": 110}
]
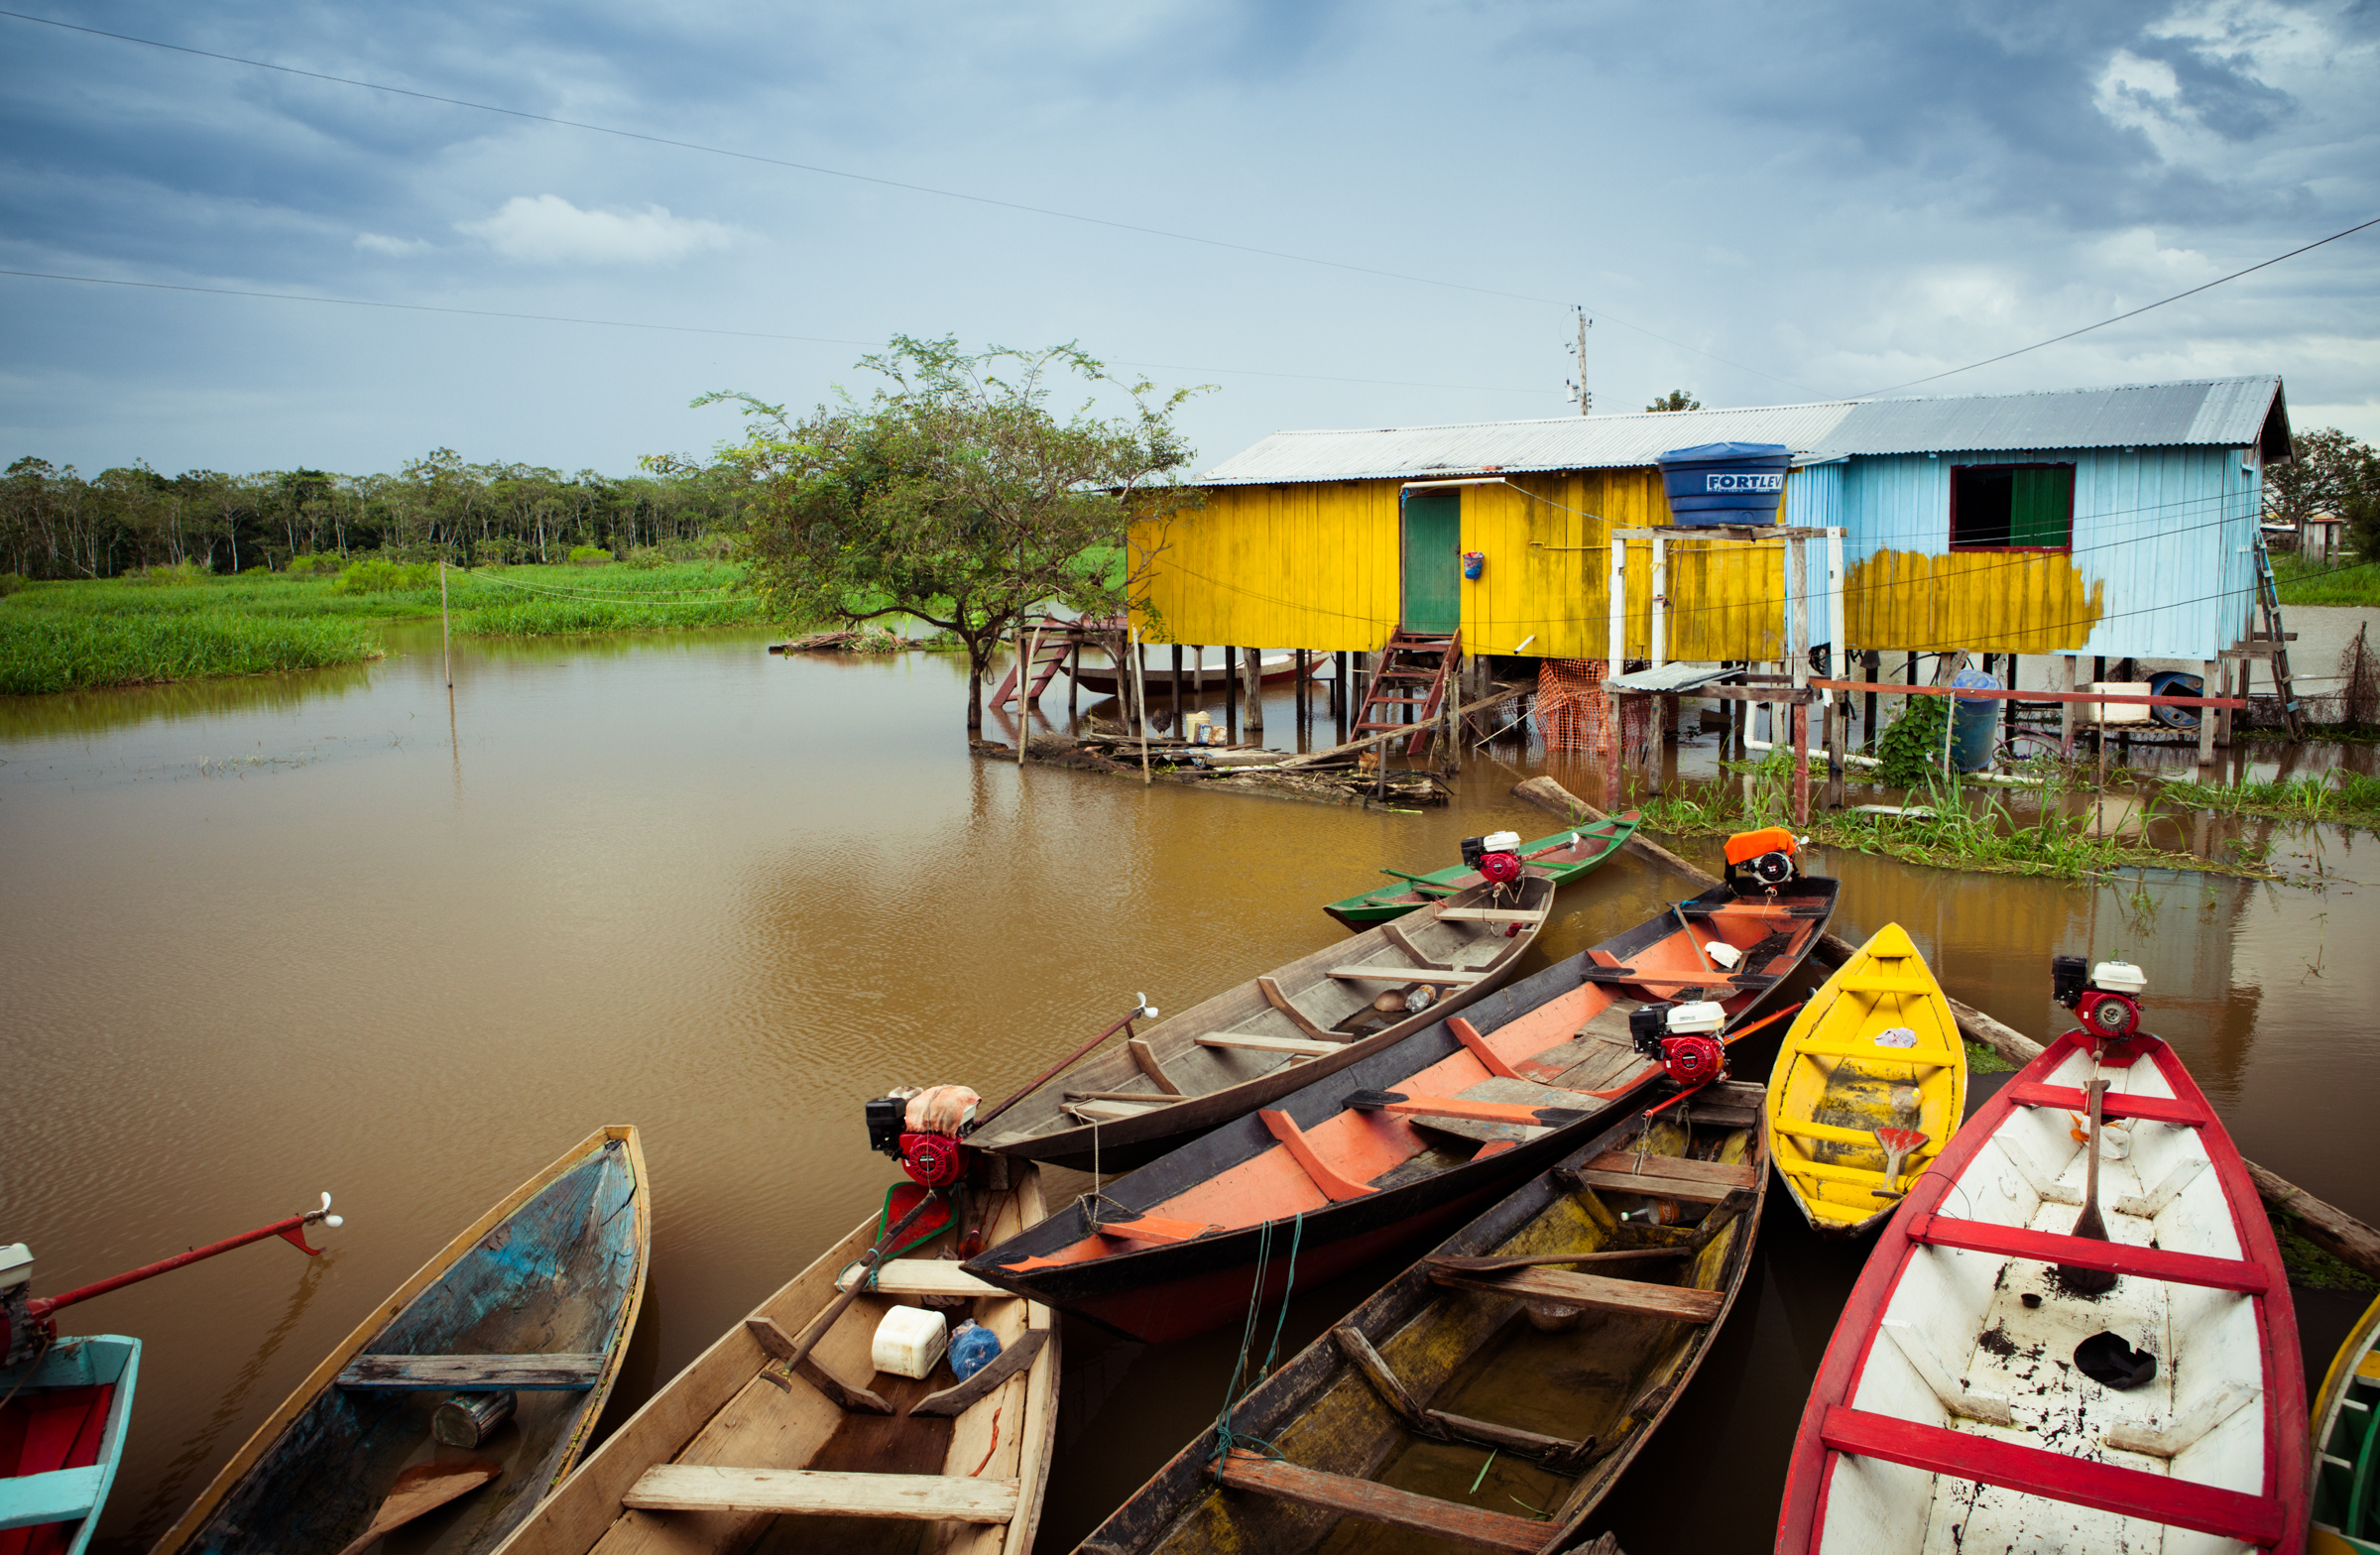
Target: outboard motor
[
  {"x": 1761, "y": 860},
  {"x": 923, "y": 1128},
  {"x": 1684, "y": 1038},
  {"x": 2106, "y": 998},
  {"x": 1496, "y": 856}
]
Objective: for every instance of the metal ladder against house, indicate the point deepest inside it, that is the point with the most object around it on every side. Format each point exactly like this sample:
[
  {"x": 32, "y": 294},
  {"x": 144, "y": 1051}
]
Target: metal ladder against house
[
  {"x": 2272, "y": 642},
  {"x": 1410, "y": 663},
  {"x": 1049, "y": 657}
]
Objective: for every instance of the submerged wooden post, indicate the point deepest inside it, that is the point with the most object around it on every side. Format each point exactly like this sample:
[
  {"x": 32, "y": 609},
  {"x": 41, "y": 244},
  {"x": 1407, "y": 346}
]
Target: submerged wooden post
[{"x": 1254, "y": 658}]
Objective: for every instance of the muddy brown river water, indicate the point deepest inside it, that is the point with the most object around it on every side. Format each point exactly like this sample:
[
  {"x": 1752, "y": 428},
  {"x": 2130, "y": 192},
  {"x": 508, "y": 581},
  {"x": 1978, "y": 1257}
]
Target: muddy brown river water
[{"x": 269, "y": 937}]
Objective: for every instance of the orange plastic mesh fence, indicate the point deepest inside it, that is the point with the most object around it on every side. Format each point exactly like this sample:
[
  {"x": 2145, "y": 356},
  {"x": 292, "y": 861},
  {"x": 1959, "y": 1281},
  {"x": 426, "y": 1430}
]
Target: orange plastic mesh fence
[{"x": 1572, "y": 707}]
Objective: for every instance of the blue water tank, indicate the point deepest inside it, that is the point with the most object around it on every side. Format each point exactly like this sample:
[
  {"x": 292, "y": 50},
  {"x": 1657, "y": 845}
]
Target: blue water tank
[{"x": 1726, "y": 482}]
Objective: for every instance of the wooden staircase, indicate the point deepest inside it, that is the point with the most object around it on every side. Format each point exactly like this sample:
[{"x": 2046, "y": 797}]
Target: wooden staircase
[
  {"x": 1049, "y": 657},
  {"x": 1414, "y": 671}
]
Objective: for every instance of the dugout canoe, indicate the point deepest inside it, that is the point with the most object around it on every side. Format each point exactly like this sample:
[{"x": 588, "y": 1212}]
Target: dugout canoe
[
  {"x": 735, "y": 1452},
  {"x": 1157, "y": 679},
  {"x": 1875, "y": 1050},
  {"x": 64, "y": 1415},
  {"x": 1474, "y": 1382},
  {"x": 1177, "y": 1243},
  {"x": 1951, "y": 1409},
  {"x": 536, "y": 1298},
  {"x": 1252, "y": 1045},
  {"x": 2346, "y": 1443},
  {"x": 1560, "y": 858}
]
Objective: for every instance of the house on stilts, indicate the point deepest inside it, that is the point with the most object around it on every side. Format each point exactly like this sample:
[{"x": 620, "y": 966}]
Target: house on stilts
[{"x": 2109, "y": 524}]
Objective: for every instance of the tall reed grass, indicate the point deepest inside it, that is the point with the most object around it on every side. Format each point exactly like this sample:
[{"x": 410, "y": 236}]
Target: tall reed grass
[{"x": 58, "y": 652}]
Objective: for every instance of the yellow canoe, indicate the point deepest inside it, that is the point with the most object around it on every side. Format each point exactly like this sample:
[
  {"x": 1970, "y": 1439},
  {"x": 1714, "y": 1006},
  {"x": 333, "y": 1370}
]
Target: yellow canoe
[{"x": 1876, "y": 1048}]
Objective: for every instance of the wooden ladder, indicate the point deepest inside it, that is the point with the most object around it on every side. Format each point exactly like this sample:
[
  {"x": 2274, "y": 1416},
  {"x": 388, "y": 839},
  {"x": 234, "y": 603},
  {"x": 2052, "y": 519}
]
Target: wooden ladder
[
  {"x": 1410, "y": 663},
  {"x": 1049, "y": 658},
  {"x": 2272, "y": 644}
]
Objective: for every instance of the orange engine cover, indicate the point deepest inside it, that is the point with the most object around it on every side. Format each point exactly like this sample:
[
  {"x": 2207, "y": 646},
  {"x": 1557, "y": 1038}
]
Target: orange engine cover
[{"x": 1748, "y": 845}]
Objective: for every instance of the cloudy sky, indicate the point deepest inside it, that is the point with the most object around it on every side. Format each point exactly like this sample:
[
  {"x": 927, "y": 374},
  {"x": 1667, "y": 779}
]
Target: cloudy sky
[{"x": 1380, "y": 212}]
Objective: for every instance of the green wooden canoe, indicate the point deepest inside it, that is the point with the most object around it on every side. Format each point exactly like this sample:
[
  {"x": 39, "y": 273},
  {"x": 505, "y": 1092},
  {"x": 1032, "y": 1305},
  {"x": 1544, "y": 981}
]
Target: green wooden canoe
[
  {"x": 2346, "y": 1490},
  {"x": 1561, "y": 858}
]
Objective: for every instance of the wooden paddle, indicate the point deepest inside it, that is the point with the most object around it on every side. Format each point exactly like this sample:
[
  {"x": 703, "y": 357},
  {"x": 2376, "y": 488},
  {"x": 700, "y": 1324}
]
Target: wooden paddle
[
  {"x": 425, "y": 1487},
  {"x": 2091, "y": 1281},
  {"x": 1898, "y": 1144}
]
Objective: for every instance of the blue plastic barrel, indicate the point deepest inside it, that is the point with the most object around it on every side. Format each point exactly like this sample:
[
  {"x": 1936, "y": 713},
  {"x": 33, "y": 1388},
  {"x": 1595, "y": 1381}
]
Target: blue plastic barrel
[
  {"x": 1975, "y": 723},
  {"x": 2176, "y": 682},
  {"x": 1726, "y": 482}
]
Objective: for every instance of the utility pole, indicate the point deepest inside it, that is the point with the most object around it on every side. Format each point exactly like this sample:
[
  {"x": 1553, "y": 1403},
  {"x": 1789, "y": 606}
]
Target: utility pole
[{"x": 1585, "y": 396}]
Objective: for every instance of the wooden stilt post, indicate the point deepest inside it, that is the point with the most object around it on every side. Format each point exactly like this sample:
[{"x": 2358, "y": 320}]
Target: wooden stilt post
[
  {"x": 2205, "y": 718},
  {"x": 445, "y": 627},
  {"x": 1867, "y": 719},
  {"x": 1177, "y": 688},
  {"x": 1074, "y": 675},
  {"x": 2067, "y": 710},
  {"x": 1837, "y": 712},
  {"x": 1256, "y": 691},
  {"x": 1339, "y": 697},
  {"x": 1231, "y": 692},
  {"x": 1798, "y": 644}
]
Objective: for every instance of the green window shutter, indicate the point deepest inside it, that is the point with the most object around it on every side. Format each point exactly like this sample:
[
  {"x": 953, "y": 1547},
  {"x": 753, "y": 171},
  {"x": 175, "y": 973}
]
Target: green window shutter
[{"x": 2041, "y": 507}]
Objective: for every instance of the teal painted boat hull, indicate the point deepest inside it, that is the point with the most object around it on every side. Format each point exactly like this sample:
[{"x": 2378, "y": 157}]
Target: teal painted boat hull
[
  {"x": 62, "y": 1388},
  {"x": 555, "y": 1270},
  {"x": 1556, "y": 858}
]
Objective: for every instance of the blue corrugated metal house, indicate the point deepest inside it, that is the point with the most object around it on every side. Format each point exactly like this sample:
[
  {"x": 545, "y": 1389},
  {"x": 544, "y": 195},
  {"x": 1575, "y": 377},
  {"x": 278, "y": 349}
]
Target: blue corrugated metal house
[{"x": 2118, "y": 522}]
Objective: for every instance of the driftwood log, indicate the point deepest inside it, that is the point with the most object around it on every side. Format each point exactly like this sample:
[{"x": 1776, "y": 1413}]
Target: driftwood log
[{"x": 2327, "y": 1227}]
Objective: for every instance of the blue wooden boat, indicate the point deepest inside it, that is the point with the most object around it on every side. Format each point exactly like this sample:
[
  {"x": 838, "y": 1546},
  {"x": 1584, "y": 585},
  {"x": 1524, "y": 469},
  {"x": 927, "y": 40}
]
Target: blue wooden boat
[
  {"x": 61, "y": 1434},
  {"x": 536, "y": 1300}
]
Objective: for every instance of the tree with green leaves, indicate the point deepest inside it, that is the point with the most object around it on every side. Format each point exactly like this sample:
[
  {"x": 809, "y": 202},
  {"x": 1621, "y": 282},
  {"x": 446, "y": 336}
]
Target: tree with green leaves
[
  {"x": 2332, "y": 474},
  {"x": 957, "y": 494},
  {"x": 1676, "y": 400}
]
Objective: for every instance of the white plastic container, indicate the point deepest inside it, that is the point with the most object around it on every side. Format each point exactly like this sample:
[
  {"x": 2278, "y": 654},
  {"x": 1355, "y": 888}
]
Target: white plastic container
[
  {"x": 909, "y": 1342},
  {"x": 2117, "y": 712},
  {"x": 1722, "y": 955}
]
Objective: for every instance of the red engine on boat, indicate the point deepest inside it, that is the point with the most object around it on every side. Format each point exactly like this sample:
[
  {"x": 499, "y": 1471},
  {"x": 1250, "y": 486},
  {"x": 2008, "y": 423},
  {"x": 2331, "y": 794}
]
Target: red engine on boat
[
  {"x": 920, "y": 1127},
  {"x": 1684, "y": 1037},
  {"x": 2104, "y": 997},
  {"x": 1496, "y": 856}
]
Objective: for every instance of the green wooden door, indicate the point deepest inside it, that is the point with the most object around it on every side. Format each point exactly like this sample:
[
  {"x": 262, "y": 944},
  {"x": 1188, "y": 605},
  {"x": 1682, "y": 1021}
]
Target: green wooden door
[{"x": 1434, "y": 561}]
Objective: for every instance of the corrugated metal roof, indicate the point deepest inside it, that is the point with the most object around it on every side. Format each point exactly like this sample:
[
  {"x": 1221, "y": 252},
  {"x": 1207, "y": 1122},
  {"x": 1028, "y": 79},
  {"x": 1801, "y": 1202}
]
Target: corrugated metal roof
[
  {"x": 1577, "y": 443},
  {"x": 2225, "y": 412}
]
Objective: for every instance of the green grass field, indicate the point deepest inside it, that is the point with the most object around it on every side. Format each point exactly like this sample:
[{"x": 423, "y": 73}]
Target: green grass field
[
  {"x": 178, "y": 626},
  {"x": 2337, "y": 583}
]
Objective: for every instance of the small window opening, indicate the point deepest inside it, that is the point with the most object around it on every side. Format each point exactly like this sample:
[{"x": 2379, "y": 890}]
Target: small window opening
[{"x": 2012, "y": 507}]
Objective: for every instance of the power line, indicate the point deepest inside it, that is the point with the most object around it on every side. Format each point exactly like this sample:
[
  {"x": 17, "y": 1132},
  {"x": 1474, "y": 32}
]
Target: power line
[
  {"x": 690, "y": 329},
  {"x": 883, "y": 182},
  {"x": 2120, "y": 317}
]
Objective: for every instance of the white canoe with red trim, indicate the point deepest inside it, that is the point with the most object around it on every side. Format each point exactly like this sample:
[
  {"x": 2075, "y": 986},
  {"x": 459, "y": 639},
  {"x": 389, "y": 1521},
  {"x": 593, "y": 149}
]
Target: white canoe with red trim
[{"x": 1950, "y": 1414}]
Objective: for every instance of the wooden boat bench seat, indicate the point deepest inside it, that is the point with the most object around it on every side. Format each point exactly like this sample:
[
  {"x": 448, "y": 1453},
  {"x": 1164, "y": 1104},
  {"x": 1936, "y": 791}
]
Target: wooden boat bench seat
[
  {"x": 1453, "y": 977},
  {"x": 1667, "y": 1177},
  {"x": 2116, "y": 1104},
  {"x": 58, "y": 1496},
  {"x": 1117, "y": 1110},
  {"x": 1244, "y": 1470},
  {"x": 2115, "y": 1258},
  {"x": 1492, "y": 915},
  {"x": 1597, "y": 1292},
  {"x": 920, "y": 1277},
  {"x": 1791, "y": 909},
  {"x": 1295, "y": 1046},
  {"x": 927, "y": 1497},
  {"x": 483, "y": 1373},
  {"x": 2033, "y": 1471}
]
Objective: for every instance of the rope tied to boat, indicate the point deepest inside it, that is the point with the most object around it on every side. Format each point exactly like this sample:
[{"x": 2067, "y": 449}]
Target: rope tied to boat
[{"x": 1232, "y": 1397}]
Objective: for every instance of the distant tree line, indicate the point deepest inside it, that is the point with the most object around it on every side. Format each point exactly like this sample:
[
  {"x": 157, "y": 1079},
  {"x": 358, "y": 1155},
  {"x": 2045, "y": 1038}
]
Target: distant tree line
[{"x": 56, "y": 523}]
